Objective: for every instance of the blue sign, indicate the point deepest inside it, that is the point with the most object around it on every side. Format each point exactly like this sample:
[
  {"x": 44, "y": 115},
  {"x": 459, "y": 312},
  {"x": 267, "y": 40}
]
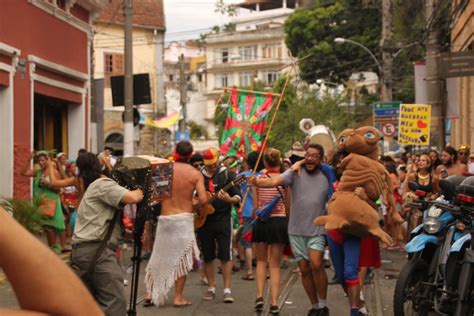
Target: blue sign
[
  {"x": 179, "y": 136},
  {"x": 386, "y": 112}
]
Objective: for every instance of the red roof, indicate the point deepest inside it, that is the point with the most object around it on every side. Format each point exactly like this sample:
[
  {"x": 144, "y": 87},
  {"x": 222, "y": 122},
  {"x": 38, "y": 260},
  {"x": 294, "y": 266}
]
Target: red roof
[{"x": 146, "y": 13}]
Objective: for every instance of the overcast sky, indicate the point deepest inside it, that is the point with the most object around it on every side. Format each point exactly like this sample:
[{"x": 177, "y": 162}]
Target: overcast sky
[{"x": 188, "y": 18}]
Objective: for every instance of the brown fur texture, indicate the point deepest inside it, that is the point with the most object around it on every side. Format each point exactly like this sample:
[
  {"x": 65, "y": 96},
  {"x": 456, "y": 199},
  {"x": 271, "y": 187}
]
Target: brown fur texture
[{"x": 346, "y": 210}]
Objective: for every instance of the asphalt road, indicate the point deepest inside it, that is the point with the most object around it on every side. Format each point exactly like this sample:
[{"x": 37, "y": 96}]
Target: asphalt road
[{"x": 292, "y": 300}]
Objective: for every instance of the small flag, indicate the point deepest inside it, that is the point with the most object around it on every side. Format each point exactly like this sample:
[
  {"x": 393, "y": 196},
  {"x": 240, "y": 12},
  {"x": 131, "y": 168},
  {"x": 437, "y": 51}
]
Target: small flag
[{"x": 164, "y": 122}]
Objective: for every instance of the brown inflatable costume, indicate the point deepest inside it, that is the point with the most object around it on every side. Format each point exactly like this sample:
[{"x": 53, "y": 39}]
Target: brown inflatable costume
[{"x": 346, "y": 210}]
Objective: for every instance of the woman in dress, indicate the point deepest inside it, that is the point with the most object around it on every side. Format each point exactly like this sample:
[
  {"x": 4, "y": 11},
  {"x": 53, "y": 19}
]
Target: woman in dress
[
  {"x": 270, "y": 237},
  {"x": 45, "y": 191}
]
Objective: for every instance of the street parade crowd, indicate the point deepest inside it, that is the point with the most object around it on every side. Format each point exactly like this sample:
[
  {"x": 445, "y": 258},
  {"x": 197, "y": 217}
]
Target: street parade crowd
[{"x": 264, "y": 218}]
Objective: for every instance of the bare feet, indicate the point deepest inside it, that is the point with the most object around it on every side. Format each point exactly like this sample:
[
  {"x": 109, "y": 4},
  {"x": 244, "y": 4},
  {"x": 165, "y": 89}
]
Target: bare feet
[{"x": 181, "y": 302}]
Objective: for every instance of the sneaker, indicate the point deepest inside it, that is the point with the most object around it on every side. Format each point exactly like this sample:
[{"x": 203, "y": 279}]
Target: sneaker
[
  {"x": 323, "y": 311},
  {"x": 209, "y": 296},
  {"x": 228, "y": 298},
  {"x": 363, "y": 311},
  {"x": 259, "y": 304},
  {"x": 274, "y": 309},
  {"x": 313, "y": 312}
]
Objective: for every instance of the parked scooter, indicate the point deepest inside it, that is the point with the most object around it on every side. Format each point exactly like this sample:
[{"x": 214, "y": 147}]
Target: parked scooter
[
  {"x": 458, "y": 294},
  {"x": 416, "y": 291}
]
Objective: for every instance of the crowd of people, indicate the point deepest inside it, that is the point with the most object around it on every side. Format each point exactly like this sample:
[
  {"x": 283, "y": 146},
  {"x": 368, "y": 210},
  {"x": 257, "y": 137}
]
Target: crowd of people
[{"x": 78, "y": 201}]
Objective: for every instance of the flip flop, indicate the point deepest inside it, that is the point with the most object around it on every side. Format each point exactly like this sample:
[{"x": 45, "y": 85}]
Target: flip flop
[
  {"x": 188, "y": 303},
  {"x": 248, "y": 277}
]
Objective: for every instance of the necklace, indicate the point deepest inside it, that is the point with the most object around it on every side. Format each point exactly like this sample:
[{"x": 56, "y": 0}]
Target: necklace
[{"x": 423, "y": 177}]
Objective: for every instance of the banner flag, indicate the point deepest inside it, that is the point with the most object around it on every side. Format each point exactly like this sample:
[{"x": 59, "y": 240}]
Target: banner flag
[{"x": 245, "y": 123}]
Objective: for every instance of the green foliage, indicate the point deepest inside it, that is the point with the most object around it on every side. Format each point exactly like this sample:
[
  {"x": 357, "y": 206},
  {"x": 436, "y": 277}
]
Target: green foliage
[
  {"x": 229, "y": 27},
  {"x": 25, "y": 211},
  {"x": 197, "y": 130},
  {"x": 225, "y": 9},
  {"x": 312, "y": 31}
]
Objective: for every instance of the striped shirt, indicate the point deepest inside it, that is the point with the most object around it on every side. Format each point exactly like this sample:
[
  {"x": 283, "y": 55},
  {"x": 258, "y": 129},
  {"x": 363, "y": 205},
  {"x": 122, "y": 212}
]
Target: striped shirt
[{"x": 265, "y": 195}]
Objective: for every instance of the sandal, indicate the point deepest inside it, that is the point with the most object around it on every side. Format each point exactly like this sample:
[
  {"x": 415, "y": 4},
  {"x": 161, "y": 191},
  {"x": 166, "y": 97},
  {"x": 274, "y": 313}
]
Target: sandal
[
  {"x": 248, "y": 277},
  {"x": 187, "y": 303}
]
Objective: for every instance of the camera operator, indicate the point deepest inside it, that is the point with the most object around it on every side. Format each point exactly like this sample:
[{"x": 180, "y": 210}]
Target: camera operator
[{"x": 96, "y": 213}]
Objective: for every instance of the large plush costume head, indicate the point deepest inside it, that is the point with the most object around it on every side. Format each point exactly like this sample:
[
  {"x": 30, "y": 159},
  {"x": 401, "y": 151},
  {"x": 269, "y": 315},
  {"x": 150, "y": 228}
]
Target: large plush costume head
[{"x": 362, "y": 141}]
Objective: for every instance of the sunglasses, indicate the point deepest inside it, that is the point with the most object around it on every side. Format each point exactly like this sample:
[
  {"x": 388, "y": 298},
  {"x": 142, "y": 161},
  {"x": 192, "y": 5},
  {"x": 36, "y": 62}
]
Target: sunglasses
[
  {"x": 461, "y": 153},
  {"x": 200, "y": 164}
]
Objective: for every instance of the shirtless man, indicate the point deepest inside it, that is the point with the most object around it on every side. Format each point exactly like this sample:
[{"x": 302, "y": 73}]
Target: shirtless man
[
  {"x": 450, "y": 165},
  {"x": 175, "y": 242}
]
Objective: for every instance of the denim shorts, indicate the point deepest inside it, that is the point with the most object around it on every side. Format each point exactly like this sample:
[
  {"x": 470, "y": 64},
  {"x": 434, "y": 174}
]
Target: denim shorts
[{"x": 300, "y": 245}]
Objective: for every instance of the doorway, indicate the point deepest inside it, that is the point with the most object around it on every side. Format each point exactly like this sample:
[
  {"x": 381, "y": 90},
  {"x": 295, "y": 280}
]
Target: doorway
[{"x": 50, "y": 123}]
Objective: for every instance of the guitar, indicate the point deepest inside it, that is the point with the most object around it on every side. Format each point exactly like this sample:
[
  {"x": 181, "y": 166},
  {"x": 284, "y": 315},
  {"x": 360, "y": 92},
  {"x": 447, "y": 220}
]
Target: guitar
[{"x": 207, "y": 209}]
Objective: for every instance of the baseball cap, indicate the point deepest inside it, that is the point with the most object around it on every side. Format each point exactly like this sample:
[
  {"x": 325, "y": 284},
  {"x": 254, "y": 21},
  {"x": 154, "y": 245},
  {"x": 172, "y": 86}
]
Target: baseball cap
[{"x": 210, "y": 156}]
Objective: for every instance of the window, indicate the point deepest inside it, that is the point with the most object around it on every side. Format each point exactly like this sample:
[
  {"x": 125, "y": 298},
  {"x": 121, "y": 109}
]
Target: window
[
  {"x": 224, "y": 55},
  {"x": 248, "y": 52},
  {"x": 272, "y": 51},
  {"x": 269, "y": 77},
  {"x": 245, "y": 79},
  {"x": 113, "y": 66},
  {"x": 171, "y": 78},
  {"x": 222, "y": 81}
]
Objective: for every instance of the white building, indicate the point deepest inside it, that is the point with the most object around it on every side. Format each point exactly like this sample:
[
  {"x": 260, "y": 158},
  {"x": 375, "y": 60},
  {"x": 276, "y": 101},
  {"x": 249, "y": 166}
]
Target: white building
[{"x": 256, "y": 50}]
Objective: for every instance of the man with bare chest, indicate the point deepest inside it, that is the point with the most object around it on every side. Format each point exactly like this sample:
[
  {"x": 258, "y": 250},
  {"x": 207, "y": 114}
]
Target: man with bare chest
[
  {"x": 450, "y": 165},
  {"x": 175, "y": 242}
]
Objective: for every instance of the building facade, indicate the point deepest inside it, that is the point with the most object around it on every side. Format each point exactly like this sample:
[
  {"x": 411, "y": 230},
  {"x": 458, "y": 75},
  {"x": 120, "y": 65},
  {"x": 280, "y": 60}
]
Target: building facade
[
  {"x": 462, "y": 40},
  {"x": 109, "y": 61},
  {"x": 254, "y": 51},
  {"x": 44, "y": 82},
  {"x": 195, "y": 83}
]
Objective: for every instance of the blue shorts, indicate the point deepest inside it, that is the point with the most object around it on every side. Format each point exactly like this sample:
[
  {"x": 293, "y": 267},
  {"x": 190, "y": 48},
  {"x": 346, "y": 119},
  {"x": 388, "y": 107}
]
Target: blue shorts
[{"x": 300, "y": 245}]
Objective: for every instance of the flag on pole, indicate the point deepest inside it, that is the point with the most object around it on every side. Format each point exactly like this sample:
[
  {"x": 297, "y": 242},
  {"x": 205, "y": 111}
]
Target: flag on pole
[
  {"x": 164, "y": 122},
  {"x": 245, "y": 123}
]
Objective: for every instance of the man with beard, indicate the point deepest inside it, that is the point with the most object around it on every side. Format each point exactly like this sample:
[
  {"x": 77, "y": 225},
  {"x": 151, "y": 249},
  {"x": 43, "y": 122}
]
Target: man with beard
[
  {"x": 310, "y": 190},
  {"x": 450, "y": 165}
]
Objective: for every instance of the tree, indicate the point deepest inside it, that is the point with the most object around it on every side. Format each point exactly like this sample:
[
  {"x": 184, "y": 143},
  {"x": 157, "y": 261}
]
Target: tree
[
  {"x": 197, "y": 130},
  {"x": 312, "y": 31}
]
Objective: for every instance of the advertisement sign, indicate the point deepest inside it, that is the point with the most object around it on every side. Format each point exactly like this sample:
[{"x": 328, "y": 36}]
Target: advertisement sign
[{"x": 414, "y": 128}]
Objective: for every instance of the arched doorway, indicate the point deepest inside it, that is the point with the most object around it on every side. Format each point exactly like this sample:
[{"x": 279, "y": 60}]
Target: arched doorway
[{"x": 115, "y": 140}]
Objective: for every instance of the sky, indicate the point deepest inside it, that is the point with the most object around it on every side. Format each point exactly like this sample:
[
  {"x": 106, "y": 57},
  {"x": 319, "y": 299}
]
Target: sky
[{"x": 187, "y": 19}]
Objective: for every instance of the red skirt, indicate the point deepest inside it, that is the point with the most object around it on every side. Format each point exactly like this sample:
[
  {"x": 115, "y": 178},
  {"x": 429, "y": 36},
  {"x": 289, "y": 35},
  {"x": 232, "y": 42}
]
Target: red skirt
[{"x": 369, "y": 253}]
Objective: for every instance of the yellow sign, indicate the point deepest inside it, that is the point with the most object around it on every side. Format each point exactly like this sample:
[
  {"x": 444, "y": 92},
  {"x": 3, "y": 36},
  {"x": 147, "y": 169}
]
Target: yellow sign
[{"x": 414, "y": 128}]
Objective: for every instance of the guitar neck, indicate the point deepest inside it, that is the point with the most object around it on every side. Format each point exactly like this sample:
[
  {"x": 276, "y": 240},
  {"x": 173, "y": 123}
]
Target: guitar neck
[{"x": 226, "y": 188}]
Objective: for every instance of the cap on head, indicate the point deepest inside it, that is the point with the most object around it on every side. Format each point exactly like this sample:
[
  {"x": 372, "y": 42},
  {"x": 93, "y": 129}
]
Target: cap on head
[
  {"x": 211, "y": 156},
  {"x": 464, "y": 147}
]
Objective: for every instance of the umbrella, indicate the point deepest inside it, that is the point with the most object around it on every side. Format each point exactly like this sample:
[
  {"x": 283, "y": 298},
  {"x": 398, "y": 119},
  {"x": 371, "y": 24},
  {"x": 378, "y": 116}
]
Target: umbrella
[{"x": 263, "y": 213}]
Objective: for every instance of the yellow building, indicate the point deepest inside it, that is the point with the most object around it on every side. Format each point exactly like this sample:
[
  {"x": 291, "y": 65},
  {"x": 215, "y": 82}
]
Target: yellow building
[
  {"x": 148, "y": 49},
  {"x": 462, "y": 39}
]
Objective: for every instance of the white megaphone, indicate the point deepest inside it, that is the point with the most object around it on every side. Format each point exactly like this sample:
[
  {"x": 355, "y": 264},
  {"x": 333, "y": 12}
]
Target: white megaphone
[{"x": 319, "y": 134}]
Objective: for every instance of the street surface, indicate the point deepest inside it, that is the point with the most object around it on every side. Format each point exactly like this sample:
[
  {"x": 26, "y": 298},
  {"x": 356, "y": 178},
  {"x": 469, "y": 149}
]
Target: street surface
[{"x": 292, "y": 300}]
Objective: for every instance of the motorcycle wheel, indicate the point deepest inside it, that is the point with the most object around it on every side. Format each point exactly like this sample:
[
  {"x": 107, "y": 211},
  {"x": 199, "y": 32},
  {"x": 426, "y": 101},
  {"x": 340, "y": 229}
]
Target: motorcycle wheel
[{"x": 407, "y": 299}]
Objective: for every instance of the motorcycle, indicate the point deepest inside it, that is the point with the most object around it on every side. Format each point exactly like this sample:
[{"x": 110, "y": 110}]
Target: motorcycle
[
  {"x": 416, "y": 291},
  {"x": 458, "y": 294}
]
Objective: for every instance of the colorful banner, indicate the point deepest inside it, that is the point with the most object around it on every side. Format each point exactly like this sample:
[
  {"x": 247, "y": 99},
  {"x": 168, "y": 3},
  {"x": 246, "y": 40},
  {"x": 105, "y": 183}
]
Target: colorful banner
[
  {"x": 245, "y": 123},
  {"x": 414, "y": 128},
  {"x": 164, "y": 122}
]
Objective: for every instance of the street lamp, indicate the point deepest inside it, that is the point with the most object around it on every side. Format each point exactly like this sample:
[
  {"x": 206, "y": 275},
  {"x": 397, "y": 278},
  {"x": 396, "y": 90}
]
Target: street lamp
[
  {"x": 386, "y": 91},
  {"x": 340, "y": 40}
]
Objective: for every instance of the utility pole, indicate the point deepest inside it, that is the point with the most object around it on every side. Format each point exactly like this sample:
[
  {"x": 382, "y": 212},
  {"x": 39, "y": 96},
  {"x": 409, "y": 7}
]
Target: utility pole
[
  {"x": 128, "y": 141},
  {"x": 386, "y": 43},
  {"x": 183, "y": 93},
  {"x": 434, "y": 81}
]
